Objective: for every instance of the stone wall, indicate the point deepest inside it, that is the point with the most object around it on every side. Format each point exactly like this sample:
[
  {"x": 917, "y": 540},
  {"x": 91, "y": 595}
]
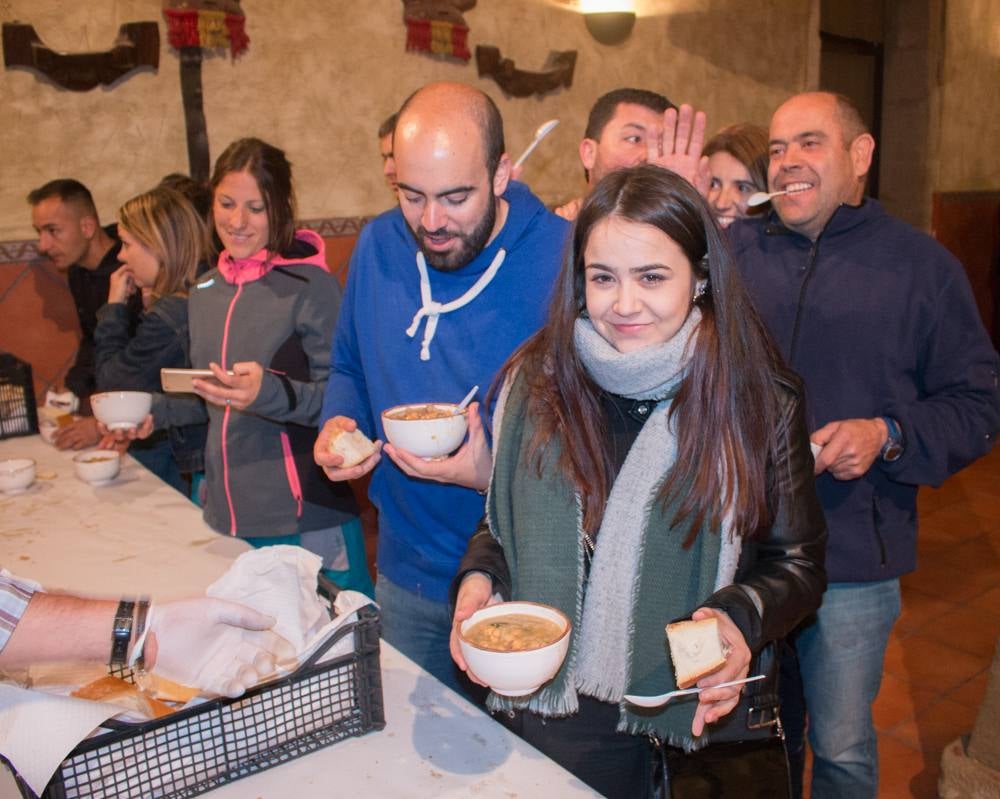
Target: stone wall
[
  {"x": 969, "y": 106},
  {"x": 319, "y": 77}
]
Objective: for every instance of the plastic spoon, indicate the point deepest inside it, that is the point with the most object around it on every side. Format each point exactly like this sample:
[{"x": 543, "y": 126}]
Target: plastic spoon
[
  {"x": 543, "y": 130},
  {"x": 662, "y": 699},
  {"x": 465, "y": 403},
  {"x": 762, "y": 197}
]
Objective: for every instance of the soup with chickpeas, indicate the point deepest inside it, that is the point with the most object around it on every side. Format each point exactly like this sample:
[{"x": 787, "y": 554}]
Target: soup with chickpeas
[
  {"x": 413, "y": 412},
  {"x": 514, "y": 632}
]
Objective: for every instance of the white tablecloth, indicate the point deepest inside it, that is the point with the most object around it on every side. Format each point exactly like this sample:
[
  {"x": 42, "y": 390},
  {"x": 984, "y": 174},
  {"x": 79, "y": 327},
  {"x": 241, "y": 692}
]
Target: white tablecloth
[{"x": 139, "y": 536}]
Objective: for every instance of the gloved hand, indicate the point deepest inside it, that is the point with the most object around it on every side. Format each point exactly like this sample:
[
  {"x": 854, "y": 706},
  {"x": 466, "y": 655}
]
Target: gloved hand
[{"x": 214, "y": 645}]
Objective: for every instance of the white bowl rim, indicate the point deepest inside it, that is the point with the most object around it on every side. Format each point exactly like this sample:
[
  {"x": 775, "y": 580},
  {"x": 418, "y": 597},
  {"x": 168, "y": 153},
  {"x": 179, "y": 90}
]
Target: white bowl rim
[
  {"x": 113, "y": 453},
  {"x": 6, "y": 467},
  {"x": 119, "y": 395},
  {"x": 467, "y": 623},
  {"x": 386, "y": 413}
]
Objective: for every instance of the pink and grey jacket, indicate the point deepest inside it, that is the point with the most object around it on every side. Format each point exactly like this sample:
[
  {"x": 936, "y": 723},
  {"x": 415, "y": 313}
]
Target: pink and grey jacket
[{"x": 281, "y": 312}]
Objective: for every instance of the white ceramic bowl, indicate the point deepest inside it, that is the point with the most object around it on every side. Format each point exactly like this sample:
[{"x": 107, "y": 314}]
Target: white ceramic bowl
[
  {"x": 120, "y": 410},
  {"x": 97, "y": 466},
  {"x": 16, "y": 475},
  {"x": 427, "y": 438},
  {"x": 516, "y": 673}
]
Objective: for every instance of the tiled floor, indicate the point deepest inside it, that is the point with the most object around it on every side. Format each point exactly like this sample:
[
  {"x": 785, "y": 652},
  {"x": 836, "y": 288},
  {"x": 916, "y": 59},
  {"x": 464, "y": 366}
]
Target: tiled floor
[{"x": 938, "y": 656}]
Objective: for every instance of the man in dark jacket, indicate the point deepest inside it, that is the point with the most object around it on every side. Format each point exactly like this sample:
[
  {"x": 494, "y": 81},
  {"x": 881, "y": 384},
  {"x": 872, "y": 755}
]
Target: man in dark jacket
[
  {"x": 901, "y": 389},
  {"x": 70, "y": 235}
]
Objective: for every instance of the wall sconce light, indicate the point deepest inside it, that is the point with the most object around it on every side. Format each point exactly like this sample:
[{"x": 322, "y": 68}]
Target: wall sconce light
[{"x": 610, "y": 27}]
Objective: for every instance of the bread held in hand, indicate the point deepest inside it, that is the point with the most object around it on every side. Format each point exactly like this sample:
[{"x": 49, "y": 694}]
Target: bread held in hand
[
  {"x": 354, "y": 447},
  {"x": 696, "y": 649}
]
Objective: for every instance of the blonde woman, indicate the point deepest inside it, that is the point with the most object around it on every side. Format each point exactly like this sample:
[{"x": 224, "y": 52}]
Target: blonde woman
[{"x": 162, "y": 242}]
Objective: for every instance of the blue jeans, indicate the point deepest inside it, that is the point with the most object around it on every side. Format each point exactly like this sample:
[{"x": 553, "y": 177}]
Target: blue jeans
[
  {"x": 420, "y": 628},
  {"x": 841, "y": 657}
]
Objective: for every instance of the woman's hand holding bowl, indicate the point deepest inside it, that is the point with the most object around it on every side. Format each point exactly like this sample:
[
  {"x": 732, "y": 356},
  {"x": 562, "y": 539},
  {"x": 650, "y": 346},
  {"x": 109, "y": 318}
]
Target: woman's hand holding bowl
[
  {"x": 714, "y": 704},
  {"x": 114, "y": 439},
  {"x": 475, "y": 593}
]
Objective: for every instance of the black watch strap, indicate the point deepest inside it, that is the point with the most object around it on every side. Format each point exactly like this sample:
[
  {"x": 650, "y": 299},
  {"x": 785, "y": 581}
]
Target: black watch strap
[{"x": 121, "y": 633}]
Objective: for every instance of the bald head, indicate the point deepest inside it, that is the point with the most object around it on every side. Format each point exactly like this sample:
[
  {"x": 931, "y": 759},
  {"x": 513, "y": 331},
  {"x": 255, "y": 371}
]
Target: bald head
[
  {"x": 445, "y": 111},
  {"x": 451, "y": 172}
]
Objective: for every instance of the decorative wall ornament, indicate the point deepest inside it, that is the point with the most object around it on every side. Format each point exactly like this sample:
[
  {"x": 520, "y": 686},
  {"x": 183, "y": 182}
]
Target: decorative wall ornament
[
  {"x": 557, "y": 71},
  {"x": 207, "y": 24},
  {"x": 196, "y": 27},
  {"x": 136, "y": 46},
  {"x": 437, "y": 27}
]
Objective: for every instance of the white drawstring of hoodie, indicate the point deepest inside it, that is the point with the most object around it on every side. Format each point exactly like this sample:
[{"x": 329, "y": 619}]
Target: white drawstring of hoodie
[{"x": 433, "y": 310}]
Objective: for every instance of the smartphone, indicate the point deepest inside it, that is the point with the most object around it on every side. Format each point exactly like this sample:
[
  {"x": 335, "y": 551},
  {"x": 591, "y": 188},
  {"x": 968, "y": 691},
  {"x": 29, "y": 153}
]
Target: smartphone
[{"x": 178, "y": 381}]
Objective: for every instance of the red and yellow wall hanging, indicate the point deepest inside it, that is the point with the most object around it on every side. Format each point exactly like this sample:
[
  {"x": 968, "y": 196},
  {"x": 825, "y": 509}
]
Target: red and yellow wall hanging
[
  {"x": 437, "y": 27},
  {"x": 208, "y": 24}
]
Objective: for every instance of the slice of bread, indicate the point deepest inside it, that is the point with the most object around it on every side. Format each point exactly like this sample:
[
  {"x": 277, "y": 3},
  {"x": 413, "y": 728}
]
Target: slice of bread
[
  {"x": 696, "y": 650},
  {"x": 118, "y": 692},
  {"x": 353, "y": 447}
]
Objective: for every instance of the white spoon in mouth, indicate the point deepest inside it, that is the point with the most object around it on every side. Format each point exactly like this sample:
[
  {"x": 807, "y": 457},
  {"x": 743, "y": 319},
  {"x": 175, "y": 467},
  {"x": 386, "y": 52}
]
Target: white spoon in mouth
[
  {"x": 762, "y": 197},
  {"x": 662, "y": 699},
  {"x": 543, "y": 130},
  {"x": 465, "y": 403}
]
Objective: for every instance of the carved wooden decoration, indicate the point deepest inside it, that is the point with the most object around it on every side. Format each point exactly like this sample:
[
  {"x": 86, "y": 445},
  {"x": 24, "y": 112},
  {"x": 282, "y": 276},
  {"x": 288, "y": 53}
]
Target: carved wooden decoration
[
  {"x": 196, "y": 27},
  {"x": 137, "y": 46},
  {"x": 557, "y": 71},
  {"x": 437, "y": 27}
]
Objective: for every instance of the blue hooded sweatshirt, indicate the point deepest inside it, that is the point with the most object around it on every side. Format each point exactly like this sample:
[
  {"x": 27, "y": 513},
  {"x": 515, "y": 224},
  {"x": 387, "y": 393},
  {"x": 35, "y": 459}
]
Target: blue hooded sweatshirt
[{"x": 423, "y": 525}]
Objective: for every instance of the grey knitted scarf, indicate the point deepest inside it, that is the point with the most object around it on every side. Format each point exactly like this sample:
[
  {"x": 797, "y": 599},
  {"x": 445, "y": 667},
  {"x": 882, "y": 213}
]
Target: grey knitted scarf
[{"x": 605, "y": 615}]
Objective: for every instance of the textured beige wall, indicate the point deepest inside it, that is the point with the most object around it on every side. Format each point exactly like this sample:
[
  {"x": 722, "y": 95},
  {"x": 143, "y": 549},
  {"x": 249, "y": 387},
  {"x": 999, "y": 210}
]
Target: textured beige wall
[
  {"x": 319, "y": 77},
  {"x": 969, "y": 109}
]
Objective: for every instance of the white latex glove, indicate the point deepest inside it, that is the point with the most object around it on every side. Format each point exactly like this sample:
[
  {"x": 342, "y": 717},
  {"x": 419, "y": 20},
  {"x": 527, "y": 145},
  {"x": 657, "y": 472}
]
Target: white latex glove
[{"x": 214, "y": 645}]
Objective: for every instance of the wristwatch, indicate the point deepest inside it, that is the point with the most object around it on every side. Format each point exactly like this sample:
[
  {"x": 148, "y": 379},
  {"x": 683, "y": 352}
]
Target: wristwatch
[
  {"x": 121, "y": 633},
  {"x": 894, "y": 445}
]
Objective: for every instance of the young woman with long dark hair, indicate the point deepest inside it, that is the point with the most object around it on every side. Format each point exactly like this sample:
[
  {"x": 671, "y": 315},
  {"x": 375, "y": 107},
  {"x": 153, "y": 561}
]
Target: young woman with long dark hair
[{"x": 651, "y": 463}]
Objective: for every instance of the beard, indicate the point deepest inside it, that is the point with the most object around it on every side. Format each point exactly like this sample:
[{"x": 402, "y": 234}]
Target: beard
[{"x": 469, "y": 244}]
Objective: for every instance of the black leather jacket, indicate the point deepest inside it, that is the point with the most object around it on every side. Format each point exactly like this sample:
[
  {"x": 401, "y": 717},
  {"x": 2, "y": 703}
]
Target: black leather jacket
[{"x": 780, "y": 578}]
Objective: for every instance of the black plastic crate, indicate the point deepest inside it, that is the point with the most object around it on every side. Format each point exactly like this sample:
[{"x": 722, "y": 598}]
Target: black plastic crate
[
  {"x": 198, "y": 749},
  {"x": 18, "y": 414}
]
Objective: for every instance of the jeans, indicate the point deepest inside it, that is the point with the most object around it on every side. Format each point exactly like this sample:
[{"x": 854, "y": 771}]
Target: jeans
[
  {"x": 840, "y": 657},
  {"x": 420, "y": 628}
]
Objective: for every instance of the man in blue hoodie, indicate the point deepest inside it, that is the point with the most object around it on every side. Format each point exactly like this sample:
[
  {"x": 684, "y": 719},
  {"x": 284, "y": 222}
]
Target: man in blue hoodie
[
  {"x": 440, "y": 292},
  {"x": 901, "y": 387}
]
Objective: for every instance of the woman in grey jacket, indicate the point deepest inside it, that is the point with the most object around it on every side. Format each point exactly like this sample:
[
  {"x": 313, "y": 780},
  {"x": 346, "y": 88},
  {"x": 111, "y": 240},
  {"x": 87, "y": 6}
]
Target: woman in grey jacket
[{"x": 263, "y": 322}]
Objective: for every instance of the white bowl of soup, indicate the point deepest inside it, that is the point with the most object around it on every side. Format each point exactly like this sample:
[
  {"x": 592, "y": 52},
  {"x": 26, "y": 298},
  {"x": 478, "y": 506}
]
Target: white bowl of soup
[
  {"x": 97, "y": 466},
  {"x": 121, "y": 410},
  {"x": 16, "y": 475},
  {"x": 427, "y": 429},
  {"x": 515, "y": 647}
]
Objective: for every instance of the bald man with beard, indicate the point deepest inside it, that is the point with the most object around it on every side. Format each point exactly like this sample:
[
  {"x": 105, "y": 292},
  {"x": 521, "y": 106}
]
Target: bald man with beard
[{"x": 441, "y": 291}]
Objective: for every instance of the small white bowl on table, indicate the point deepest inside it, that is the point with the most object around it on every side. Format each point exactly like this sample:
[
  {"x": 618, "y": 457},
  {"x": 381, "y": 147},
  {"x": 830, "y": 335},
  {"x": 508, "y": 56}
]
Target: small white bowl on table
[
  {"x": 97, "y": 466},
  {"x": 16, "y": 475},
  {"x": 426, "y": 438},
  {"x": 121, "y": 410},
  {"x": 521, "y": 672}
]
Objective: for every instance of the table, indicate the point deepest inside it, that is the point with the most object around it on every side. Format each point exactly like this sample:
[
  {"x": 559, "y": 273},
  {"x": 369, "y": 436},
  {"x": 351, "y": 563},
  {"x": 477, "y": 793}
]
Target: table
[{"x": 138, "y": 535}]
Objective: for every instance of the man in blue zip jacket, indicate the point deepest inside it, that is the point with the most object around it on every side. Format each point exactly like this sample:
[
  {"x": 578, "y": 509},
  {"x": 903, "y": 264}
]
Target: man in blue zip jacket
[
  {"x": 441, "y": 290},
  {"x": 901, "y": 389}
]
